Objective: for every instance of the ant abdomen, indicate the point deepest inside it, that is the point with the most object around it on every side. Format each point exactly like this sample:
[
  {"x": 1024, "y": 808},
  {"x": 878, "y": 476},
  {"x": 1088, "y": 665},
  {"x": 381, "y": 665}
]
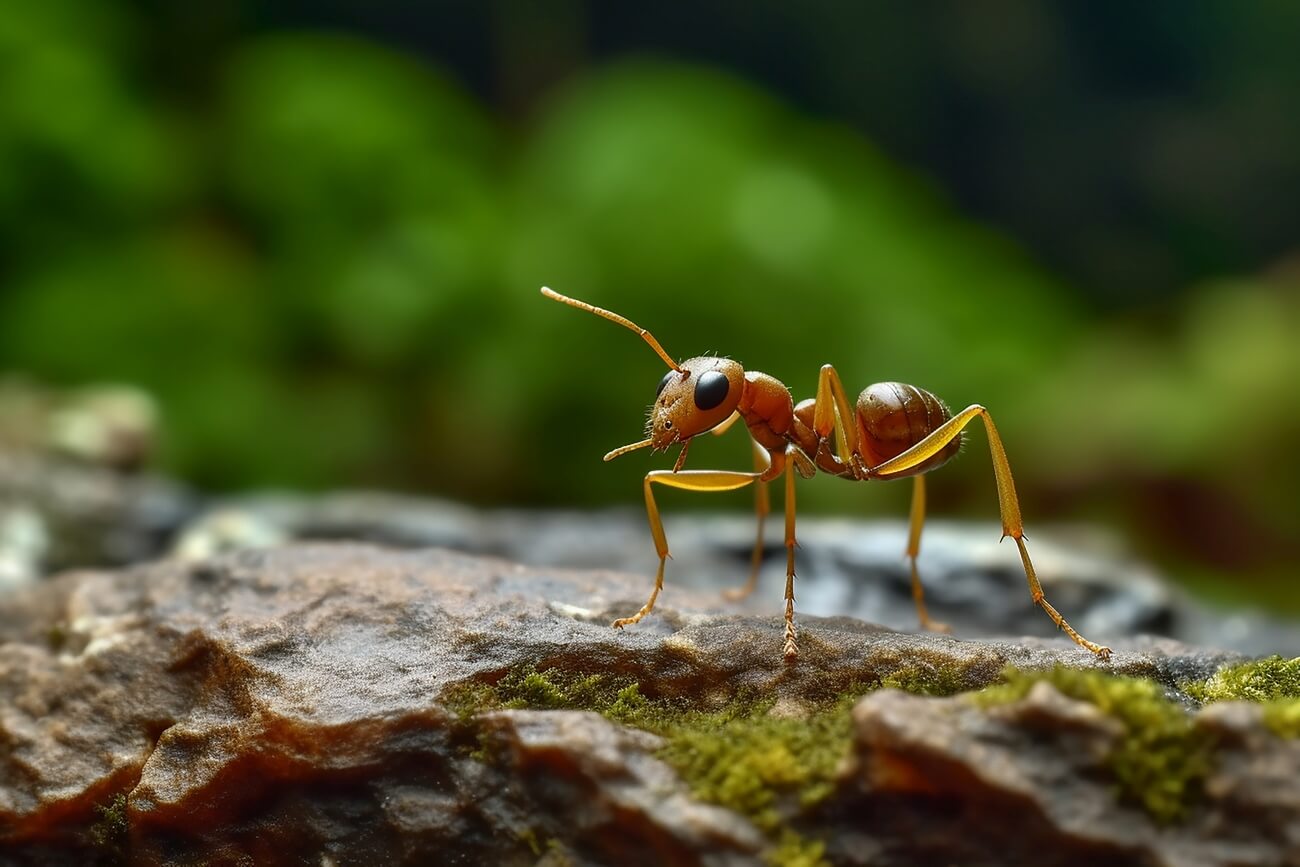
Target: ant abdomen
[{"x": 893, "y": 417}]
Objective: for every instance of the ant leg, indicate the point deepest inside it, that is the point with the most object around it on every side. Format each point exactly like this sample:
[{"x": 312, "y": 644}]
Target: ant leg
[
  {"x": 762, "y": 506},
  {"x": 1008, "y": 503},
  {"x": 832, "y": 411},
  {"x": 915, "y": 523},
  {"x": 690, "y": 480},
  {"x": 791, "y": 647}
]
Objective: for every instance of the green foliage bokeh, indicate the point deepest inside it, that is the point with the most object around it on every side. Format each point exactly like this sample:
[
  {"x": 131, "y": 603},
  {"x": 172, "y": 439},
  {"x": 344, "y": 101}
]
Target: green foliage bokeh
[{"x": 326, "y": 267}]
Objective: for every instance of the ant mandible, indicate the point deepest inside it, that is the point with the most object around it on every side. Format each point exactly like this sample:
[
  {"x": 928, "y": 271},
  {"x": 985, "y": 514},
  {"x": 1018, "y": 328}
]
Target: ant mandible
[{"x": 894, "y": 431}]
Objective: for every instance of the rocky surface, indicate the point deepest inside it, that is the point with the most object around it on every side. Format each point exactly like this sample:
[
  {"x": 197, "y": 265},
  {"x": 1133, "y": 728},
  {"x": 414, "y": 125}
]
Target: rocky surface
[
  {"x": 72, "y": 490},
  {"x": 57, "y": 514},
  {"x": 306, "y": 704},
  {"x": 850, "y": 568},
  {"x": 1024, "y": 784}
]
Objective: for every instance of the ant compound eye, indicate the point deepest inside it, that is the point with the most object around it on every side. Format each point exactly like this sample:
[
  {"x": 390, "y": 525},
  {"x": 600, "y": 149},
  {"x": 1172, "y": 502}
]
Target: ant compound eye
[
  {"x": 711, "y": 389},
  {"x": 663, "y": 383}
]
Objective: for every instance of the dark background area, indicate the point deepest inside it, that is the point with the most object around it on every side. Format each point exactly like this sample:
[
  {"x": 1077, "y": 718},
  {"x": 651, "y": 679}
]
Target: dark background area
[
  {"x": 1133, "y": 149},
  {"x": 314, "y": 233}
]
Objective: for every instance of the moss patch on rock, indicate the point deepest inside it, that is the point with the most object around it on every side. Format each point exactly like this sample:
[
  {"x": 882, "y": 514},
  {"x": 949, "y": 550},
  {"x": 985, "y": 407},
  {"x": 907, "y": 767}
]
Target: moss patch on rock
[
  {"x": 771, "y": 759},
  {"x": 926, "y": 674},
  {"x": 1273, "y": 682},
  {"x": 110, "y": 831},
  {"x": 1163, "y": 758},
  {"x": 765, "y": 759},
  {"x": 1263, "y": 680},
  {"x": 1283, "y": 717}
]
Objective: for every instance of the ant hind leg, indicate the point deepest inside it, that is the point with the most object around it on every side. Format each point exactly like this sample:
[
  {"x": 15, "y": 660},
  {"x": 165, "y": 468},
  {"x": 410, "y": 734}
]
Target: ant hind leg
[
  {"x": 915, "y": 523},
  {"x": 1008, "y": 503}
]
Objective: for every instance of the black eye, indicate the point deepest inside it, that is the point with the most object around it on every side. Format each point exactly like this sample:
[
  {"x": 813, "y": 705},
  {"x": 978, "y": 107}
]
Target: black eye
[
  {"x": 711, "y": 389},
  {"x": 663, "y": 383}
]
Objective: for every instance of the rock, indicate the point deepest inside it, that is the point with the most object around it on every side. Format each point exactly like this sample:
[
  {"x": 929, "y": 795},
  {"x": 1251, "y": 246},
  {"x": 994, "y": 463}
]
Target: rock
[
  {"x": 1028, "y": 783},
  {"x": 846, "y": 568},
  {"x": 633, "y": 806},
  {"x": 301, "y": 704},
  {"x": 24, "y": 545},
  {"x": 71, "y": 464},
  {"x": 91, "y": 515}
]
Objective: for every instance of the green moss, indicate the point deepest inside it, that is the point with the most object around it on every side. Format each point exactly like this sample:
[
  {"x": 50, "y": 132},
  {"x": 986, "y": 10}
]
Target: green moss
[
  {"x": 929, "y": 677},
  {"x": 57, "y": 636},
  {"x": 1263, "y": 680},
  {"x": 1273, "y": 682},
  {"x": 753, "y": 760},
  {"x": 630, "y": 707},
  {"x": 1283, "y": 717},
  {"x": 467, "y": 699},
  {"x": 537, "y": 691},
  {"x": 557, "y": 689},
  {"x": 794, "y": 850},
  {"x": 529, "y": 838},
  {"x": 763, "y": 761},
  {"x": 1161, "y": 761},
  {"x": 556, "y": 855},
  {"x": 111, "y": 830}
]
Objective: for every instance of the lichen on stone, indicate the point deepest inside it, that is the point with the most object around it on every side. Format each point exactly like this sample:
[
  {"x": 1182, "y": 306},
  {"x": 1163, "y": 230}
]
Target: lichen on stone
[{"x": 1163, "y": 758}]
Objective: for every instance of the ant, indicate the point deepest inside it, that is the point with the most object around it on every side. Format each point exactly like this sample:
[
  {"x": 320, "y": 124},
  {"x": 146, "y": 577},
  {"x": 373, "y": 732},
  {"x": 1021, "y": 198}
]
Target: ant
[{"x": 894, "y": 431}]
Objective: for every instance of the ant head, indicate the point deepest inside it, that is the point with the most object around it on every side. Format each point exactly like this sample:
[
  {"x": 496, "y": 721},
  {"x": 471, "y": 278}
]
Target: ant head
[
  {"x": 693, "y": 397},
  {"x": 698, "y": 397}
]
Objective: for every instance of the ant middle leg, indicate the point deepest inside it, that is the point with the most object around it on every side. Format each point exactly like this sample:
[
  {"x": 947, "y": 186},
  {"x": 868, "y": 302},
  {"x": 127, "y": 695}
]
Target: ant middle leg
[
  {"x": 762, "y": 507},
  {"x": 791, "y": 648},
  {"x": 916, "y": 521}
]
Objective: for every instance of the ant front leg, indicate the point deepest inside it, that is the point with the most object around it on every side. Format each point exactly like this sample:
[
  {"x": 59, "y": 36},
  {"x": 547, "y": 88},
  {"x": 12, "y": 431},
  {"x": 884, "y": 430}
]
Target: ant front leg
[
  {"x": 687, "y": 480},
  {"x": 717, "y": 480},
  {"x": 1008, "y": 503}
]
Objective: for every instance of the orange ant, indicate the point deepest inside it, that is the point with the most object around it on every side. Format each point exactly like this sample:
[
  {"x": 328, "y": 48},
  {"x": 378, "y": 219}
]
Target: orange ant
[{"x": 895, "y": 431}]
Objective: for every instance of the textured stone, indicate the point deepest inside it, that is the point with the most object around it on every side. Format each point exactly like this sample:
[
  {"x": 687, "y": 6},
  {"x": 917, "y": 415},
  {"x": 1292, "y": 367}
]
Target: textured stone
[
  {"x": 290, "y": 705},
  {"x": 1027, "y": 783},
  {"x": 846, "y": 567},
  {"x": 87, "y": 515}
]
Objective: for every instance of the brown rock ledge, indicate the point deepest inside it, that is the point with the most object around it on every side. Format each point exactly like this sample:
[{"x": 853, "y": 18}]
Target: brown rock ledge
[{"x": 283, "y": 706}]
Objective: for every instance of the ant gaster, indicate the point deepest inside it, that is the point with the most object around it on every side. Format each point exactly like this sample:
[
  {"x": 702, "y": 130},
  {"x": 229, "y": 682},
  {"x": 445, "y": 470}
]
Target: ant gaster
[{"x": 894, "y": 431}]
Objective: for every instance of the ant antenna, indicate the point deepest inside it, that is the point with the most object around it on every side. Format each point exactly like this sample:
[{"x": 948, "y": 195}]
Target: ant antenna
[
  {"x": 621, "y": 320},
  {"x": 622, "y": 450}
]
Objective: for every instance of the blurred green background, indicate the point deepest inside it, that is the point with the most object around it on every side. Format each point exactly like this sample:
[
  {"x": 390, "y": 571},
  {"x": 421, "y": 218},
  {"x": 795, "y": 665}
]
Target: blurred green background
[{"x": 315, "y": 233}]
